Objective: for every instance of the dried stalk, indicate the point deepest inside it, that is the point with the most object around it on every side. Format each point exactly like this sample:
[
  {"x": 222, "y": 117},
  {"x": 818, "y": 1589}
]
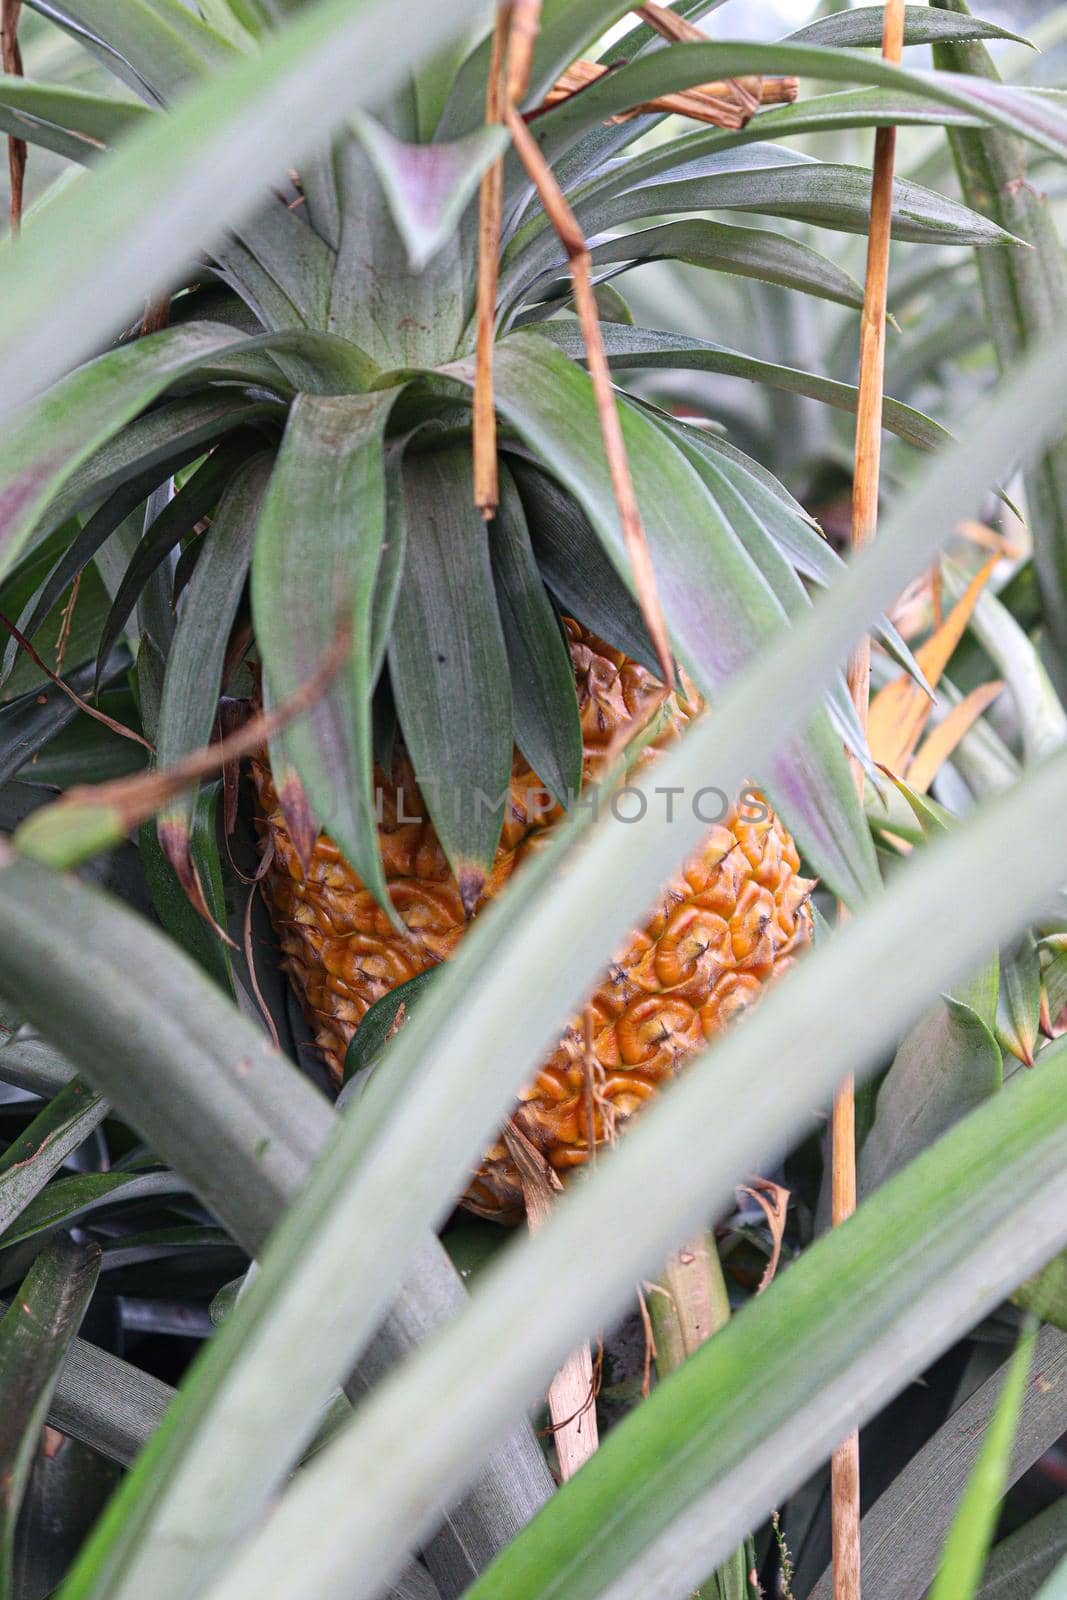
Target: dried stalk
[
  {"x": 11, "y": 59},
  {"x": 571, "y": 237},
  {"x": 845, "y": 1467},
  {"x": 728, "y": 103},
  {"x": 490, "y": 204},
  {"x": 572, "y": 1393},
  {"x": 525, "y": 25}
]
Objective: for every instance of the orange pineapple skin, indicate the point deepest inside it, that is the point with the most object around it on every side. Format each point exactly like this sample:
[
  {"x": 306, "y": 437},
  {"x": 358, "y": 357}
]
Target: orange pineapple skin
[{"x": 732, "y": 919}]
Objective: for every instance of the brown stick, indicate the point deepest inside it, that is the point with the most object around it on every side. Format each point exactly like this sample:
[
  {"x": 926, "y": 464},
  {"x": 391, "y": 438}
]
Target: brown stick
[
  {"x": 845, "y": 1466},
  {"x": 490, "y": 202},
  {"x": 571, "y": 237},
  {"x": 525, "y": 26},
  {"x": 11, "y": 59},
  {"x": 572, "y": 1393}
]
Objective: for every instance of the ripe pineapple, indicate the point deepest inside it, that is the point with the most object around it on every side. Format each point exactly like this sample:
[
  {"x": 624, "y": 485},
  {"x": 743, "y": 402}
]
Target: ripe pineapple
[{"x": 730, "y": 920}]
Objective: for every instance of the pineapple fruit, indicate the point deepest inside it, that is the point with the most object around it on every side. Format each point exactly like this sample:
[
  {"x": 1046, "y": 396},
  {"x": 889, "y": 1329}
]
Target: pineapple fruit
[{"x": 732, "y": 918}]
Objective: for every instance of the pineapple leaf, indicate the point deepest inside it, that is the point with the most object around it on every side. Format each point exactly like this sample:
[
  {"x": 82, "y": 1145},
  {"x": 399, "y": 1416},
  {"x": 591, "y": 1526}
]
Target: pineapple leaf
[
  {"x": 198, "y": 172},
  {"x": 944, "y": 1239},
  {"x": 379, "y": 1023},
  {"x": 30, "y": 723},
  {"x": 157, "y": 46},
  {"x": 647, "y": 347},
  {"x": 717, "y": 605},
  {"x": 863, "y": 27},
  {"x": 946, "y": 1066},
  {"x": 402, "y": 317},
  {"x": 742, "y": 520},
  {"x": 574, "y": 565},
  {"x": 73, "y": 122},
  {"x": 970, "y": 1537},
  {"x": 182, "y": 920},
  {"x": 194, "y": 500},
  {"x": 770, "y": 181},
  {"x": 193, "y": 679},
  {"x": 55, "y": 435},
  {"x": 67, "y": 1202},
  {"x": 749, "y": 252},
  {"x": 548, "y": 728},
  {"x": 165, "y": 437},
  {"x": 35, "y": 1335},
  {"x": 680, "y": 66},
  {"x": 317, "y": 555},
  {"x": 97, "y": 529},
  {"x": 428, "y": 186},
  {"x": 1024, "y": 297},
  {"x": 448, "y": 666},
  {"x": 58, "y": 1129}
]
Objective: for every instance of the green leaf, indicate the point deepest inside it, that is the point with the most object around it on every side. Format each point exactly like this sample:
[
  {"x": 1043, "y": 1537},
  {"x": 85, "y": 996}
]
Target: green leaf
[
  {"x": 1019, "y": 1012},
  {"x": 314, "y": 566},
  {"x": 971, "y": 1534},
  {"x": 161, "y": 43},
  {"x": 34, "y": 1336},
  {"x": 374, "y": 1031},
  {"x": 57, "y": 1130},
  {"x": 194, "y": 500},
  {"x": 31, "y": 722},
  {"x": 1025, "y": 296},
  {"x": 197, "y": 655},
  {"x": 639, "y": 348},
  {"x": 198, "y": 172},
  {"x": 572, "y": 562},
  {"x": 548, "y": 728},
  {"x": 173, "y": 907},
  {"x": 1026, "y": 1556},
  {"x": 448, "y": 666},
  {"x": 823, "y": 193},
  {"x": 72, "y": 122},
  {"x": 55, "y": 435},
  {"x": 750, "y": 252},
  {"x": 406, "y": 316},
  {"x": 862, "y": 26},
  {"x": 203, "y": 1087},
  {"x": 717, "y": 619},
  {"x": 680, "y": 66},
  {"x": 68, "y": 1201},
  {"x": 428, "y": 186},
  {"x": 948, "y": 1064}
]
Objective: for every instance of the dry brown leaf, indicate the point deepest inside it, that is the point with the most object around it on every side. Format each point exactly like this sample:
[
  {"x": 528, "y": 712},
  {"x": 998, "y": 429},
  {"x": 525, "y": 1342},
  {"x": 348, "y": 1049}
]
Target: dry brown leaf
[
  {"x": 900, "y": 712},
  {"x": 941, "y": 741}
]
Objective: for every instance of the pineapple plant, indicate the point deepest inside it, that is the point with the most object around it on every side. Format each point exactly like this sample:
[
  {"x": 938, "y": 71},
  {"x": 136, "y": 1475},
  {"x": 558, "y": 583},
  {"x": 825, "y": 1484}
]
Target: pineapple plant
[
  {"x": 273, "y": 478},
  {"x": 313, "y": 406}
]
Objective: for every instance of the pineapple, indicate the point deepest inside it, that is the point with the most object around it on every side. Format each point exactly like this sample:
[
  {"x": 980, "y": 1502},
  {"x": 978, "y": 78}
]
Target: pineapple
[{"x": 730, "y": 920}]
